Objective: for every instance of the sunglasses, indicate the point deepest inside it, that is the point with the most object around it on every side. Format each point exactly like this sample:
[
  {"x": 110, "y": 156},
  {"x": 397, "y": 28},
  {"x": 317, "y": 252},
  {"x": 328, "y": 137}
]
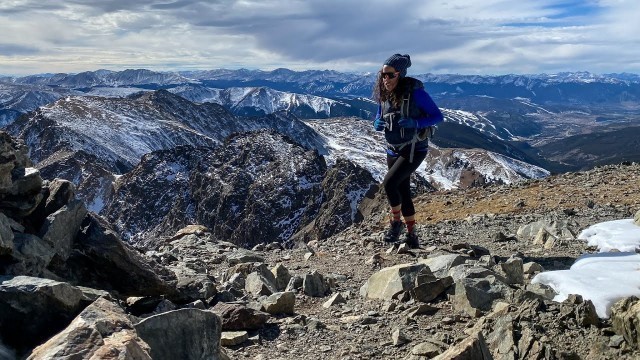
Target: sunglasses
[{"x": 388, "y": 75}]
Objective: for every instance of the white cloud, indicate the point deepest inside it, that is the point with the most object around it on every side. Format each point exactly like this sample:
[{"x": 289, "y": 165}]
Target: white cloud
[{"x": 463, "y": 36}]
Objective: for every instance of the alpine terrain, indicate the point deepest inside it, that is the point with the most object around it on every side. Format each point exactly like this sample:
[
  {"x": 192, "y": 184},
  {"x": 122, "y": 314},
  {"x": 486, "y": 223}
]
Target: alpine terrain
[{"x": 238, "y": 214}]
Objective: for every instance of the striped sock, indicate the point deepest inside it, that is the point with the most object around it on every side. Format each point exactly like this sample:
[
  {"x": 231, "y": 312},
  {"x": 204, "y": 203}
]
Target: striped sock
[
  {"x": 395, "y": 215},
  {"x": 410, "y": 225}
]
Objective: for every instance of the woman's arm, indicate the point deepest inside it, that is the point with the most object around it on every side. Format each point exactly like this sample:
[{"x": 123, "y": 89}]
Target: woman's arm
[{"x": 426, "y": 105}]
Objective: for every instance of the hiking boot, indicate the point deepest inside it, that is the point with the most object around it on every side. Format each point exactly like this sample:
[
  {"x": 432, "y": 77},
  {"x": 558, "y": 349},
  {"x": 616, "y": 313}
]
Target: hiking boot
[
  {"x": 393, "y": 233},
  {"x": 412, "y": 240}
]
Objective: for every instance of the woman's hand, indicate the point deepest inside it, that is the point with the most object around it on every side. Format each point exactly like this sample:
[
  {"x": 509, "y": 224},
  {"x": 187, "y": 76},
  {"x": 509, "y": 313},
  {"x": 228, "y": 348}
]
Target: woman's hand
[
  {"x": 408, "y": 123},
  {"x": 379, "y": 124}
]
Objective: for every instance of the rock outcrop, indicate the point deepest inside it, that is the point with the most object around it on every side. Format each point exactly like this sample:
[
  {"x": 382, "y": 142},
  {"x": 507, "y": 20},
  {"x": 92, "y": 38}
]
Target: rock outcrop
[
  {"x": 255, "y": 187},
  {"x": 56, "y": 258}
]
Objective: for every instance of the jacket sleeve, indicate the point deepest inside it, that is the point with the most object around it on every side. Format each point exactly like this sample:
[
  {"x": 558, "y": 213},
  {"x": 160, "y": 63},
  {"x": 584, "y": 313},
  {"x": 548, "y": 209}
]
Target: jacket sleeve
[{"x": 428, "y": 107}]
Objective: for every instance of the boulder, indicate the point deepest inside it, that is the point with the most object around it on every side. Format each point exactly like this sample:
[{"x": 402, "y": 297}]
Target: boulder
[
  {"x": 428, "y": 286},
  {"x": 33, "y": 309},
  {"x": 193, "y": 286},
  {"x": 233, "y": 338},
  {"x": 182, "y": 334},
  {"x": 314, "y": 284},
  {"x": 6, "y": 235},
  {"x": 282, "y": 276},
  {"x": 474, "y": 296},
  {"x": 440, "y": 264},
  {"x": 101, "y": 260},
  {"x": 513, "y": 270},
  {"x": 625, "y": 318},
  {"x": 258, "y": 285},
  {"x": 280, "y": 303},
  {"x": 241, "y": 256},
  {"x": 60, "y": 228},
  {"x": 388, "y": 283},
  {"x": 239, "y": 317},
  {"x": 472, "y": 348},
  {"x": 32, "y": 255},
  {"x": 98, "y": 332}
]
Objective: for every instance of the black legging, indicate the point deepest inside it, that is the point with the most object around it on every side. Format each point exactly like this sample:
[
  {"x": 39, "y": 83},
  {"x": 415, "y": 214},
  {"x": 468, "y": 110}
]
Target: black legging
[{"x": 397, "y": 182}]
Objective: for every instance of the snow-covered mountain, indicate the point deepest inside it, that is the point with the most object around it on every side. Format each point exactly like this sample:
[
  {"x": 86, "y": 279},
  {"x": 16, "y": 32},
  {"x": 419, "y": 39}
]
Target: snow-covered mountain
[
  {"x": 113, "y": 134},
  {"x": 16, "y": 99},
  {"x": 510, "y": 114},
  {"x": 355, "y": 140},
  {"x": 88, "y": 79},
  {"x": 263, "y": 100}
]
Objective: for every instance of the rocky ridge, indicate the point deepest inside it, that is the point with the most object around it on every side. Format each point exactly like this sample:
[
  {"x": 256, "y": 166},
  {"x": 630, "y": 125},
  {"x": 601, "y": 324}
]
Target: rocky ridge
[
  {"x": 255, "y": 187},
  {"x": 466, "y": 293}
]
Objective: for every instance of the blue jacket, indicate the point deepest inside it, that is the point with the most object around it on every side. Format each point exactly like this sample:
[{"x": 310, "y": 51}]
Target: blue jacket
[{"x": 421, "y": 108}]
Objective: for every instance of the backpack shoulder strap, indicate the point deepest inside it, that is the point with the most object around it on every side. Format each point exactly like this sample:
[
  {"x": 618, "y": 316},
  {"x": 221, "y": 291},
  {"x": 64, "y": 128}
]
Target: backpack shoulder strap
[{"x": 404, "y": 108}]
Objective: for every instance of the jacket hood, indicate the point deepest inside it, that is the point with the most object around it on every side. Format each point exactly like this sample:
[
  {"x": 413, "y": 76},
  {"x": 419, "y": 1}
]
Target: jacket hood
[{"x": 413, "y": 83}]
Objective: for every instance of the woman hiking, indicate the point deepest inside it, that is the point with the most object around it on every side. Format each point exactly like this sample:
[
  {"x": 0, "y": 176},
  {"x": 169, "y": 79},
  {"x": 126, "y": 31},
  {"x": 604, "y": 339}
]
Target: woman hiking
[{"x": 405, "y": 113}]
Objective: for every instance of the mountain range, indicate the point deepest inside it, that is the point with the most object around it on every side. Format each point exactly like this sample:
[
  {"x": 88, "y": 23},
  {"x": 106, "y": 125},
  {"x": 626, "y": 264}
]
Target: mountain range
[{"x": 522, "y": 116}]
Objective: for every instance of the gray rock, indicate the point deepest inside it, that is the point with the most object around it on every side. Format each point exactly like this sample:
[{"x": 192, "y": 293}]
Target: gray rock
[
  {"x": 472, "y": 348},
  {"x": 193, "y": 286},
  {"x": 501, "y": 341},
  {"x": 625, "y": 318},
  {"x": 6, "y": 235},
  {"x": 237, "y": 281},
  {"x": 282, "y": 276},
  {"x": 233, "y": 338},
  {"x": 295, "y": 283},
  {"x": 636, "y": 218},
  {"x": 418, "y": 310},
  {"x": 390, "y": 282},
  {"x": 240, "y": 256},
  {"x": 398, "y": 337},
  {"x": 103, "y": 261},
  {"x": 61, "y": 193},
  {"x": 280, "y": 303},
  {"x": 24, "y": 193},
  {"x": 314, "y": 285},
  {"x": 513, "y": 270},
  {"x": 182, "y": 334},
  {"x": 428, "y": 287},
  {"x": 36, "y": 309},
  {"x": 26, "y": 181},
  {"x": 60, "y": 228},
  {"x": 32, "y": 253},
  {"x": 98, "y": 331},
  {"x": 333, "y": 300},
  {"x": 239, "y": 317},
  {"x": 532, "y": 268},
  {"x": 469, "y": 271},
  {"x": 440, "y": 264},
  {"x": 91, "y": 295},
  {"x": 476, "y": 295},
  {"x": 258, "y": 285},
  {"x": 541, "y": 231},
  {"x": 545, "y": 291},
  {"x": 426, "y": 349}
]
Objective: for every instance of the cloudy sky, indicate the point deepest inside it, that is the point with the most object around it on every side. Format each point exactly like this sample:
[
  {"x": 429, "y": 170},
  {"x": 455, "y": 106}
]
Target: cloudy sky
[{"x": 456, "y": 36}]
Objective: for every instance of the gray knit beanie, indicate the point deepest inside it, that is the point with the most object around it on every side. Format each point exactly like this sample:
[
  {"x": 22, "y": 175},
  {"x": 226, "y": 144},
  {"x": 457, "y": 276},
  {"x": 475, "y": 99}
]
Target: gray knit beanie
[{"x": 399, "y": 62}]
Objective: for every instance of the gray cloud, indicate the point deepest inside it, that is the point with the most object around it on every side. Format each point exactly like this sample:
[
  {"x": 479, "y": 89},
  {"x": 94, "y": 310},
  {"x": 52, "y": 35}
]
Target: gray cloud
[
  {"x": 493, "y": 36},
  {"x": 13, "y": 49}
]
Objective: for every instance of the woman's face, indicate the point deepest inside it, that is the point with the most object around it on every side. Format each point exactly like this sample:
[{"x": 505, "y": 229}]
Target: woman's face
[{"x": 389, "y": 77}]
